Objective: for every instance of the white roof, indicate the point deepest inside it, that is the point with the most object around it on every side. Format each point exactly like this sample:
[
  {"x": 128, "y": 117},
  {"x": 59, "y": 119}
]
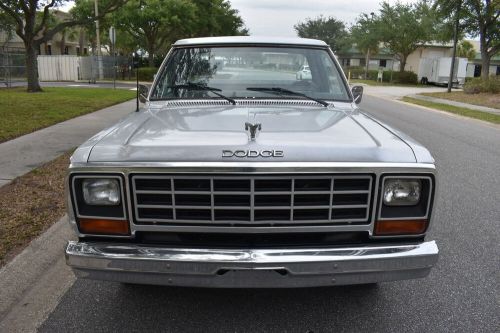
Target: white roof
[{"x": 250, "y": 40}]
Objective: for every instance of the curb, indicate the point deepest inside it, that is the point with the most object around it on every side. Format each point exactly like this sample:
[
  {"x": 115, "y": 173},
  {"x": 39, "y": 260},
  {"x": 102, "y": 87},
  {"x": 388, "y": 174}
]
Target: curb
[{"x": 32, "y": 284}]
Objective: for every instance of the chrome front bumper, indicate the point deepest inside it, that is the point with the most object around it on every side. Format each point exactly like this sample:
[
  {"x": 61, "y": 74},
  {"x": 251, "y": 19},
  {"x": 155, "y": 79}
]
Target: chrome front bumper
[{"x": 250, "y": 268}]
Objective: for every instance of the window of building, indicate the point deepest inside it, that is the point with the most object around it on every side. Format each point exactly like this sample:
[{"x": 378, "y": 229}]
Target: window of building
[
  {"x": 66, "y": 50},
  {"x": 477, "y": 70},
  {"x": 362, "y": 62},
  {"x": 498, "y": 70},
  {"x": 383, "y": 63},
  {"x": 77, "y": 50},
  {"x": 48, "y": 50},
  {"x": 85, "y": 51}
]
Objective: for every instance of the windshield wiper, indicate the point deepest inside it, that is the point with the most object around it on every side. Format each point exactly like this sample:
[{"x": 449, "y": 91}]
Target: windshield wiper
[
  {"x": 199, "y": 86},
  {"x": 283, "y": 91}
]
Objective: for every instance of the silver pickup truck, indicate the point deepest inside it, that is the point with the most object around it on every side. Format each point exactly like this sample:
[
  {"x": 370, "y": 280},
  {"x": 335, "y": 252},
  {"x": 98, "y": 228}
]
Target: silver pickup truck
[{"x": 236, "y": 172}]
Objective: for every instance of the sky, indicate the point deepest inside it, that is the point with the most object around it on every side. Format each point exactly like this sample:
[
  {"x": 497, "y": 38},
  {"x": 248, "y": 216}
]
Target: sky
[{"x": 277, "y": 17}]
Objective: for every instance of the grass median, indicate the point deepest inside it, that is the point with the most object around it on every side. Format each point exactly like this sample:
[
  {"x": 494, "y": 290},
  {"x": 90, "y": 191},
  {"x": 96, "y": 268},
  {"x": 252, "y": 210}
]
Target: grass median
[
  {"x": 23, "y": 112},
  {"x": 483, "y": 99},
  {"x": 485, "y": 116},
  {"x": 30, "y": 205}
]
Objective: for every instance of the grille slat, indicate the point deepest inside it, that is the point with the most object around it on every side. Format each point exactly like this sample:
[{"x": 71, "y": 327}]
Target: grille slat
[{"x": 251, "y": 199}]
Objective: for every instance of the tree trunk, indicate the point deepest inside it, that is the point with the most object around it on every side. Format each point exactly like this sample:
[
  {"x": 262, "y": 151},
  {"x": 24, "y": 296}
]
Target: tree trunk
[
  {"x": 402, "y": 63},
  {"x": 485, "y": 61},
  {"x": 32, "y": 69}
]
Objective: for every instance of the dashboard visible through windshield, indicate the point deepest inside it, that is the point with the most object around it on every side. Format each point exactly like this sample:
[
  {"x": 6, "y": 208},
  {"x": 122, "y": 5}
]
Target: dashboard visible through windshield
[{"x": 239, "y": 72}]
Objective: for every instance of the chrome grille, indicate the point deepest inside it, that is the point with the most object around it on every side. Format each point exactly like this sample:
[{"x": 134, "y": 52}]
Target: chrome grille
[{"x": 251, "y": 200}]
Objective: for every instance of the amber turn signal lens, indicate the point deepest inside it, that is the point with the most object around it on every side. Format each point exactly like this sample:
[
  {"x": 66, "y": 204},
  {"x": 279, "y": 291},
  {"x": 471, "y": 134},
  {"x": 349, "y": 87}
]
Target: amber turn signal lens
[
  {"x": 103, "y": 226},
  {"x": 400, "y": 227}
]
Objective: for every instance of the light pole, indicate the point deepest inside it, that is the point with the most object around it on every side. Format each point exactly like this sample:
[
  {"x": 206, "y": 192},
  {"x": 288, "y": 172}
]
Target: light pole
[
  {"x": 98, "y": 40},
  {"x": 455, "y": 40},
  {"x": 367, "y": 59}
]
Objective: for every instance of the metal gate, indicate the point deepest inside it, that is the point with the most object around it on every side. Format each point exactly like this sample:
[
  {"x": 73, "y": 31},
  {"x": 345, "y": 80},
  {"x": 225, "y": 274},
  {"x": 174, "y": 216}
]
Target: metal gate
[{"x": 12, "y": 66}]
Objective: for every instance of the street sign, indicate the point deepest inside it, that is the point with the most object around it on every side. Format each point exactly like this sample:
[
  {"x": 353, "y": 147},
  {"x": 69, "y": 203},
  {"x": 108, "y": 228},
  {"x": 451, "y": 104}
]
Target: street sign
[{"x": 112, "y": 35}]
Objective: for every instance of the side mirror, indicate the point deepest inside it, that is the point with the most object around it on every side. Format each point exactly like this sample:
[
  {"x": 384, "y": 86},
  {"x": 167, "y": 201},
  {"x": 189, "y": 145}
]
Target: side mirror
[
  {"x": 143, "y": 93},
  {"x": 357, "y": 93}
]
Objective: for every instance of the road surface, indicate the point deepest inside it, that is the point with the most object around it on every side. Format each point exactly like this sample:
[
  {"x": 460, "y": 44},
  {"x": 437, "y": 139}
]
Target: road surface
[{"x": 460, "y": 295}]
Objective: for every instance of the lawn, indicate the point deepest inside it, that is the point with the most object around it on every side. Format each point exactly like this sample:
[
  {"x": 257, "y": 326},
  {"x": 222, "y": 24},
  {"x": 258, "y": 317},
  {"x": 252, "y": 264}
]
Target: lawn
[
  {"x": 485, "y": 116},
  {"x": 30, "y": 205},
  {"x": 23, "y": 112},
  {"x": 482, "y": 99}
]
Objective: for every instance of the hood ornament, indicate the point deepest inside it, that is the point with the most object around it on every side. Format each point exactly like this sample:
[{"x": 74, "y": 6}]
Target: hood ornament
[{"x": 253, "y": 130}]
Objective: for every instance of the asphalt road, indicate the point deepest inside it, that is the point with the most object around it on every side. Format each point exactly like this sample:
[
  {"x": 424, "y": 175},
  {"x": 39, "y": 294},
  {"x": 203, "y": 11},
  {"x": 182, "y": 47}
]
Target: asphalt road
[{"x": 460, "y": 295}]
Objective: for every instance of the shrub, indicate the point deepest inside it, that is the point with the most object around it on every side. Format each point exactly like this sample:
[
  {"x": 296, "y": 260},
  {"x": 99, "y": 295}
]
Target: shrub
[
  {"x": 405, "y": 77},
  {"x": 147, "y": 73},
  {"x": 477, "y": 85},
  {"x": 359, "y": 73},
  {"x": 492, "y": 85}
]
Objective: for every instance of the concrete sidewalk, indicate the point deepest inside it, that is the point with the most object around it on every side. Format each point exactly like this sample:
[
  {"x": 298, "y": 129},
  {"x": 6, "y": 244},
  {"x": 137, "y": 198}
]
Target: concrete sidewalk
[
  {"x": 23, "y": 154},
  {"x": 454, "y": 103}
]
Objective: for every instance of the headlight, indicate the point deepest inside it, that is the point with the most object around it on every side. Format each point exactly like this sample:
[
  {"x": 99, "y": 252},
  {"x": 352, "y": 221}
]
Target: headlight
[
  {"x": 402, "y": 192},
  {"x": 101, "y": 191}
]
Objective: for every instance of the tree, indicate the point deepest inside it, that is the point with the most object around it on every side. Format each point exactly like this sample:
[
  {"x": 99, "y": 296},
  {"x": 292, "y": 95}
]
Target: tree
[
  {"x": 477, "y": 18},
  {"x": 217, "y": 18},
  {"x": 466, "y": 50},
  {"x": 155, "y": 23},
  {"x": 328, "y": 29},
  {"x": 31, "y": 25},
  {"x": 405, "y": 27},
  {"x": 364, "y": 34}
]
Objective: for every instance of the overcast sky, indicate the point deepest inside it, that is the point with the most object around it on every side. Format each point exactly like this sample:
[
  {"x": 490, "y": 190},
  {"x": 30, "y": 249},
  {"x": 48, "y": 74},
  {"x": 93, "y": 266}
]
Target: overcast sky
[{"x": 277, "y": 17}]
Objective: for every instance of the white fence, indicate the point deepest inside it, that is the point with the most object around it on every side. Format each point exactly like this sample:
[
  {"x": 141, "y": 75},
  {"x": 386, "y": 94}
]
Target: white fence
[
  {"x": 74, "y": 68},
  {"x": 58, "y": 67}
]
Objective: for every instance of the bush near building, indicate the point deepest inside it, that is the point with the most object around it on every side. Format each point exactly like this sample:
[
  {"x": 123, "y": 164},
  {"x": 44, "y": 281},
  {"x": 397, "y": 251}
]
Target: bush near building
[
  {"x": 478, "y": 85},
  {"x": 405, "y": 77}
]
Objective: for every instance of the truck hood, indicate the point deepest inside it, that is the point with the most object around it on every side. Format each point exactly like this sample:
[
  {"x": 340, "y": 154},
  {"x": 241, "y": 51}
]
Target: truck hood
[{"x": 304, "y": 133}]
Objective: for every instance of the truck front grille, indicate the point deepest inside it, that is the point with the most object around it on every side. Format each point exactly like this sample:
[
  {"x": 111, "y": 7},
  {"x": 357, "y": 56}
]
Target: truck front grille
[{"x": 251, "y": 199}]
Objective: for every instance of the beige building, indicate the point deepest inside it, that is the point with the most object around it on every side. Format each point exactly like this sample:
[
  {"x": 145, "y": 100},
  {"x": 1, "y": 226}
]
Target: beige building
[
  {"x": 384, "y": 59},
  {"x": 72, "y": 41}
]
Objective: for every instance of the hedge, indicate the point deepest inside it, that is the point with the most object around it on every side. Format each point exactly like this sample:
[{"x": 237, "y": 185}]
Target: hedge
[
  {"x": 478, "y": 85},
  {"x": 397, "y": 77},
  {"x": 147, "y": 73}
]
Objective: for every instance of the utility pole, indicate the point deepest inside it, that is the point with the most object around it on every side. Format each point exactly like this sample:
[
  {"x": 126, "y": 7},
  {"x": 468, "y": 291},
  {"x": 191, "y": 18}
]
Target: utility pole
[
  {"x": 98, "y": 40},
  {"x": 455, "y": 41}
]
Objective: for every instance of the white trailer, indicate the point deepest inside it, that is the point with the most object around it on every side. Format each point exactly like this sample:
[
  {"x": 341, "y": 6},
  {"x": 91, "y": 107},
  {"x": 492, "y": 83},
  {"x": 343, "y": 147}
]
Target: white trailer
[{"x": 437, "y": 70}]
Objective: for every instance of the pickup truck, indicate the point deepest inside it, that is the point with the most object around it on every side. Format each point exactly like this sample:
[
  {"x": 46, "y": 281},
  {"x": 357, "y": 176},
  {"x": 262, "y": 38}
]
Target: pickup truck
[{"x": 233, "y": 173}]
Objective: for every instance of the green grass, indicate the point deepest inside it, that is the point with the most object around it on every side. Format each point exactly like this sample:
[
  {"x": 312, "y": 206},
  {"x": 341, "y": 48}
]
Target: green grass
[
  {"x": 485, "y": 116},
  {"x": 375, "y": 83},
  {"x": 23, "y": 112},
  {"x": 483, "y": 99}
]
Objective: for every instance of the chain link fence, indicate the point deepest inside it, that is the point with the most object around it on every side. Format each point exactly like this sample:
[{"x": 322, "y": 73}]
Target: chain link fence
[
  {"x": 94, "y": 68},
  {"x": 12, "y": 66}
]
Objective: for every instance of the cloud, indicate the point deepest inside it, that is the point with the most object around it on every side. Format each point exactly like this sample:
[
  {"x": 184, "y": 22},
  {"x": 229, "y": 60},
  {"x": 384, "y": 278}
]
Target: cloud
[{"x": 277, "y": 17}]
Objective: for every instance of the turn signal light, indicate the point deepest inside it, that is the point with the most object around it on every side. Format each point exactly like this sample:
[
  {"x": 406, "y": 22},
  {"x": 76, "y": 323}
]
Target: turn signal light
[
  {"x": 400, "y": 227},
  {"x": 103, "y": 226}
]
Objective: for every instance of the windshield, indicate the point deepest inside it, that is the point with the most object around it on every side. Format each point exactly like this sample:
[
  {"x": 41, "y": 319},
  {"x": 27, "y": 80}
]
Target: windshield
[{"x": 230, "y": 71}]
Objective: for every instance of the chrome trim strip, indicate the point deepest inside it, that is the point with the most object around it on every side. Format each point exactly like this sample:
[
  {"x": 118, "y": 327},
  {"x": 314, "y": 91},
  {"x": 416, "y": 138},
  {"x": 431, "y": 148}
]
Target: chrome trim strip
[
  {"x": 263, "y": 167},
  {"x": 279, "y": 267}
]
